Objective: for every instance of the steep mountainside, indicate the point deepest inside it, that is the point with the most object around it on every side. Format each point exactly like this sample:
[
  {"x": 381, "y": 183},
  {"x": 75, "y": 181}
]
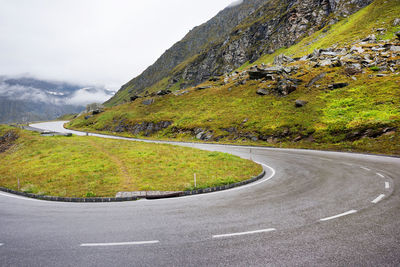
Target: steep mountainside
[
  {"x": 28, "y": 99},
  {"x": 235, "y": 36},
  {"x": 193, "y": 43},
  {"x": 338, "y": 88}
]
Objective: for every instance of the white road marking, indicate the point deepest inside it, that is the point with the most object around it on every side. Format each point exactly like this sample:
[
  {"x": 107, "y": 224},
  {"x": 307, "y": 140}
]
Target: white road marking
[
  {"x": 381, "y": 175},
  {"x": 387, "y": 185},
  {"x": 245, "y": 233},
  {"x": 23, "y": 198},
  {"x": 119, "y": 244},
  {"x": 379, "y": 198},
  {"x": 339, "y": 215},
  {"x": 365, "y": 168},
  {"x": 1, "y": 244}
]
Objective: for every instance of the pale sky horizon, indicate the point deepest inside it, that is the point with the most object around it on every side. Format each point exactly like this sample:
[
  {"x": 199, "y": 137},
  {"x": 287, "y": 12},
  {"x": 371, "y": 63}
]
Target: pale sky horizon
[{"x": 94, "y": 42}]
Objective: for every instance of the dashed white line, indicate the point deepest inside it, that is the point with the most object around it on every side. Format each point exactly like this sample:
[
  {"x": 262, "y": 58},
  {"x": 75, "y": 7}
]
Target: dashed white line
[
  {"x": 339, "y": 215},
  {"x": 119, "y": 244},
  {"x": 1, "y": 244},
  {"x": 379, "y": 198},
  {"x": 365, "y": 168},
  {"x": 245, "y": 233},
  {"x": 381, "y": 175},
  {"x": 387, "y": 185}
]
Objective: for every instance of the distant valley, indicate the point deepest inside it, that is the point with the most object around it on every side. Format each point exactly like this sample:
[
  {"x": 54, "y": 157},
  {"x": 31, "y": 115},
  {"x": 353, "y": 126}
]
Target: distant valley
[{"x": 26, "y": 99}]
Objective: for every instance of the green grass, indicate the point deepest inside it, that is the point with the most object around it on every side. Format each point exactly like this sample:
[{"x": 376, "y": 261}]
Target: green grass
[
  {"x": 379, "y": 14},
  {"x": 89, "y": 166},
  {"x": 367, "y": 103}
]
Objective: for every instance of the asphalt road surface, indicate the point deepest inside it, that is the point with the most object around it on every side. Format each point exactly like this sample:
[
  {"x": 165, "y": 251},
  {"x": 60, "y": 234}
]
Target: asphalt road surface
[{"x": 312, "y": 208}]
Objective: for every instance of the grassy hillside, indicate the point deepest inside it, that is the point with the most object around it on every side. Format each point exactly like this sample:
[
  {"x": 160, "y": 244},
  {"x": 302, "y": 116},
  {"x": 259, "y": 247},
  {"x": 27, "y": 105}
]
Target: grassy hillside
[
  {"x": 362, "y": 116},
  {"x": 59, "y": 166}
]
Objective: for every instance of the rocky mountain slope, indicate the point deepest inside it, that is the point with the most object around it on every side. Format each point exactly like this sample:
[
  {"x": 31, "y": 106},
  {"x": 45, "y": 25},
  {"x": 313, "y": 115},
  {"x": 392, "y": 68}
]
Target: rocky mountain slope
[
  {"x": 192, "y": 44},
  {"x": 27, "y": 99},
  {"x": 235, "y": 36},
  {"x": 337, "y": 88}
]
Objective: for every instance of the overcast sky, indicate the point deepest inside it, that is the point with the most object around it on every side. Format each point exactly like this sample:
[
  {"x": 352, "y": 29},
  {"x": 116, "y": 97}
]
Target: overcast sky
[{"x": 94, "y": 42}]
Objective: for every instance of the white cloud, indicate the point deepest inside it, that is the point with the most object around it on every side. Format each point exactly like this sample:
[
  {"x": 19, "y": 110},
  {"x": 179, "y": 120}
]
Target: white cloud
[
  {"x": 236, "y": 3},
  {"x": 96, "y": 42},
  {"x": 86, "y": 96}
]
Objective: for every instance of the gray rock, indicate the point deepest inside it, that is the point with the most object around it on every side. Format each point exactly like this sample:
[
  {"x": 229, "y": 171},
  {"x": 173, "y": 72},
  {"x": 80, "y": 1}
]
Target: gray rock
[
  {"x": 133, "y": 98},
  {"x": 300, "y": 103},
  {"x": 357, "y": 49},
  {"x": 94, "y": 107},
  {"x": 381, "y": 30},
  {"x": 148, "y": 101},
  {"x": 395, "y": 49},
  {"x": 262, "y": 92},
  {"x": 282, "y": 59},
  {"x": 370, "y": 38},
  {"x": 316, "y": 79},
  {"x": 396, "y": 22},
  {"x": 337, "y": 85},
  {"x": 284, "y": 88},
  {"x": 330, "y": 54},
  {"x": 202, "y": 87},
  {"x": 163, "y": 92}
]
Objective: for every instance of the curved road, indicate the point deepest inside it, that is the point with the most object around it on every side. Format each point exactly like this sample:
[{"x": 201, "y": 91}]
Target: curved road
[{"x": 313, "y": 208}]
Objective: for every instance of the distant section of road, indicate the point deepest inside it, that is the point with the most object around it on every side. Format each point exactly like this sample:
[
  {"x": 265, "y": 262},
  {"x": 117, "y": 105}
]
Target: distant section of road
[{"x": 319, "y": 208}]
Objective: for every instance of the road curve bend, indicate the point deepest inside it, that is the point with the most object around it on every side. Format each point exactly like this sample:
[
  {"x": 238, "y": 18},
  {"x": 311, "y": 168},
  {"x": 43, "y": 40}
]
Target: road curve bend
[{"x": 318, "y": 208}]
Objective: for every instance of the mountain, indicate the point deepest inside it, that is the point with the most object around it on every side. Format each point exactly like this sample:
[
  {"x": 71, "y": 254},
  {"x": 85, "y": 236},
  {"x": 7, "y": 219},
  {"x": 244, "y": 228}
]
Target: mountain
[
  {"x": 304, "y": 74},
  {"x": 236, "y": 35},
  {"x": 28, "y": 99},
  {"x": 192, "y": 44}
]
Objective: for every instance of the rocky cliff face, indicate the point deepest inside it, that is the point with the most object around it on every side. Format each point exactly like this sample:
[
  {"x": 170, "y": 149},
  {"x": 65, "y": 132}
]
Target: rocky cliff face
[
  {"x": 237, "y": 35},
  {"x": 192, "y": 44},
  {"x": 276, "y": 24}
]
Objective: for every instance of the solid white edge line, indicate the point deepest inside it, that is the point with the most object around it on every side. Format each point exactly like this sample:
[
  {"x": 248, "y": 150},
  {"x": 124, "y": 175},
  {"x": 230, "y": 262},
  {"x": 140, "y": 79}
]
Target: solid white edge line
[
  {"x": 17, "y": 197},
  {"x": 119, "y": 244},
  {"x": 379, "y": 198},
  {"x": 381, "y": 175},
  {"x": 339, "y": 215},
  {"x": 387, "y": 185},
  {"x": 245, "y": 233}
]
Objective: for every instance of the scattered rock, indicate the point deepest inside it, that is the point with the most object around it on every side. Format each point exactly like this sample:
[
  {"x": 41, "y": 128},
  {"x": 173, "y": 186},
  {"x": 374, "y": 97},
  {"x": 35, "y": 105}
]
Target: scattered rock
[
  {"x": 396, "y": 22},
  {"x": 163, "y": 92},
  {"x": 357, "y": 49},
  {"x": 395, "y": 49},
  {"x": 300, "y": 103},
  {"x": 370, "y": 38},
  {"x": 282, "y": 59},
  {"x": 148, "y": 101},
  {"x": 284, "y": 88},
  {"x": 337, "y": 85},
  {"x": 202, "y": 87},
  {"x": 94, "y": 108},
  {"x": 133, "y": 98},
  {"x": 381, "y": 30},
  {"x": 316, "y": 79},
  {"x": 262, "y": 92},
  {"x": 7, "y": 140},
  {"x": 398, "y": 34}
]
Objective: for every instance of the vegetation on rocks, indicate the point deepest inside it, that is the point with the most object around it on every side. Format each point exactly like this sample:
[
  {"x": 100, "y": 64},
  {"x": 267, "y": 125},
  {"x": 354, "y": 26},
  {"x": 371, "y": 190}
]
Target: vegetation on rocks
[
  {"x": 338, "y": 88},
  {"x": 90, "y": 166}
]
